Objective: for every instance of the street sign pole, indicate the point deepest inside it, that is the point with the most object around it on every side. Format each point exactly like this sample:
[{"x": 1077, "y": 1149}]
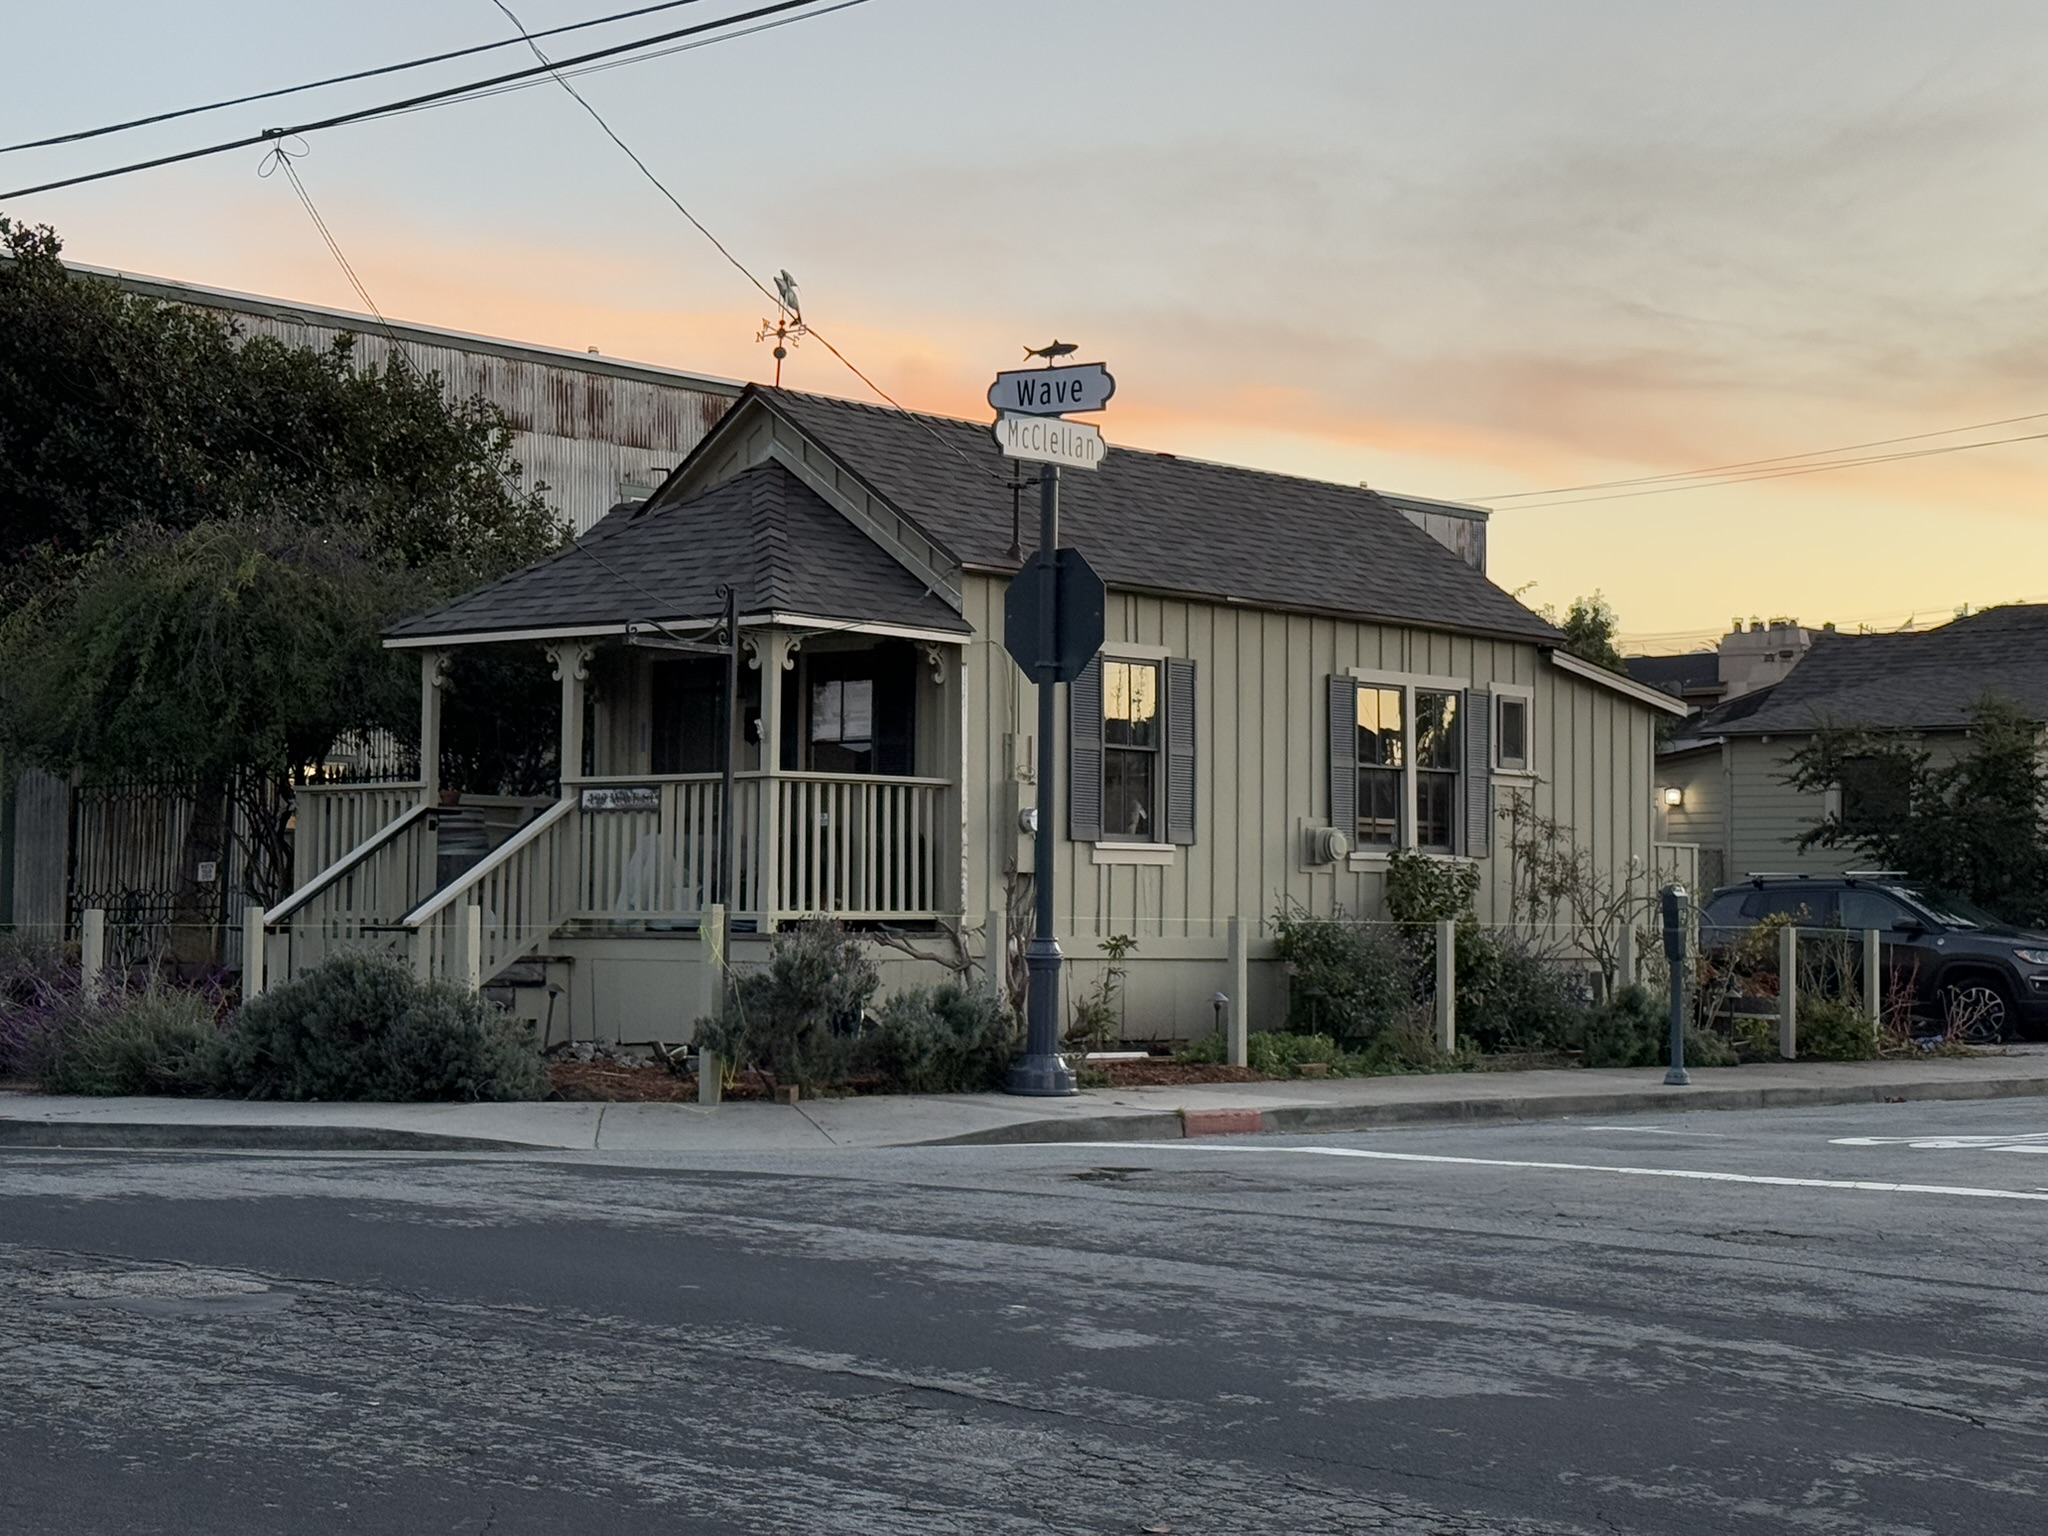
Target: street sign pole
[{"x": 1041, "y": 1072}]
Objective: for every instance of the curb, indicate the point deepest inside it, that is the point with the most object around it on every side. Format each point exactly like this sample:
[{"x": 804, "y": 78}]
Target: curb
[
  {"x": 151, "y": 1135},
  {"x": 1302, "y": 1118}
]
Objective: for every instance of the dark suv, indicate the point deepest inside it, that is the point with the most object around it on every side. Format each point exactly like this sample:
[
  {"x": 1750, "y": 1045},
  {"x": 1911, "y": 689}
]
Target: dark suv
[{"x": 1964, "y": 964}]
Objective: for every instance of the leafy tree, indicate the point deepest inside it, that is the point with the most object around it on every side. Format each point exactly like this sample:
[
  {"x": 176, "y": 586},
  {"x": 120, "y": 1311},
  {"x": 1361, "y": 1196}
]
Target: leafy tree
[
  {"x": 205, "y": 536},
  {"x": 118, "y": 410},
  {"x": 1589, "y": 626},
  {"x": 1970, "y": 826}
]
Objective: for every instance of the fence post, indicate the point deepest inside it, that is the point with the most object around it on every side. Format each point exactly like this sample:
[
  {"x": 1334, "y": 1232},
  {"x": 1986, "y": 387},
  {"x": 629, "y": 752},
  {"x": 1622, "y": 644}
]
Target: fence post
[
  {"x": 1236, "y": 1042},
  {"x": 1788, "y": 991},
  {"x": 1447, "y": 985},
  {"x": 92, "y": 950},
  {"x": 1873, "y": 979},
  {"x": 252, "y": 952},
  {"x": 1626, "y": 961}
]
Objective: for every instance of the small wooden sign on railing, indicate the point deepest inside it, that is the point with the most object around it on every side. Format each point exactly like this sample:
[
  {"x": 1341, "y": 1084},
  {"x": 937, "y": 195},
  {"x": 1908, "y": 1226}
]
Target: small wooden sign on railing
[{"x": 621, "y": 797}]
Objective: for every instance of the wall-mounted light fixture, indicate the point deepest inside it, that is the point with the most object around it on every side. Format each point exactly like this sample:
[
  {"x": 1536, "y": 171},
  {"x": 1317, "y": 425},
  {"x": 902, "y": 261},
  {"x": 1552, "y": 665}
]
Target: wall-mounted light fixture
[{"x": 1674, "y": 796}]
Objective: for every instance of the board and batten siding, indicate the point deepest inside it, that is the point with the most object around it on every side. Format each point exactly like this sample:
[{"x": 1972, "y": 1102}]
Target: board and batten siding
[{"x": 1262, "y": 777}]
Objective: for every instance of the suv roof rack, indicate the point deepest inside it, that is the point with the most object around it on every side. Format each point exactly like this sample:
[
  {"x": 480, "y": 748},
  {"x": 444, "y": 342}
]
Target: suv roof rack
[{"x": 1759, "y": 876}]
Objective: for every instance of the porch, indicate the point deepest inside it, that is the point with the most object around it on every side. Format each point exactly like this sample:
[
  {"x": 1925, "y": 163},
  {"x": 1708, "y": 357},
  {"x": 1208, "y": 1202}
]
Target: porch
[{"x": 775, "y": 762}]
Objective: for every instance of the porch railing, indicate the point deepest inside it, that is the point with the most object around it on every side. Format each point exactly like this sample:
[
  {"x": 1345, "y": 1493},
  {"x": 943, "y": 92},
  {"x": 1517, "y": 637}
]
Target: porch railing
[
  {"x": 860, "y": 846},
  {"x": 358, "y": 898},
  {"x": 504, "y": 907},
  {"x": 863, "y": 847},
  {"x": 332, "y": 819}
]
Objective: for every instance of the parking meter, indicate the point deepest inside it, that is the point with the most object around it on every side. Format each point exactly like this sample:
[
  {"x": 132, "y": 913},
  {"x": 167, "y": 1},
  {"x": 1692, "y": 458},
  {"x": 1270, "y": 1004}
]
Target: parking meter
[{"x": 1672, "y": 901}]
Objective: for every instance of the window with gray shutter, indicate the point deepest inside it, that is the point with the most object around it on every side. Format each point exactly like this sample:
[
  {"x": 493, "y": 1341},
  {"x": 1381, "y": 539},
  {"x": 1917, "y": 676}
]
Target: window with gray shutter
[
  {"x": 1180, "y": 751},
  {"x": 1478, "y": 774},
  {"x": 1344, "y": 756},
  {"x": 1084, "y": 755}
]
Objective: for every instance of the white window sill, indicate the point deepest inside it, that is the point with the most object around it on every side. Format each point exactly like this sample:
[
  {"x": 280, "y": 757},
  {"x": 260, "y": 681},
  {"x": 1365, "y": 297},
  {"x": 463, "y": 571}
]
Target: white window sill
[
  {"x": 1132, "y": 853},
  {"x": 1378, "y": 858},
  {"x": 1514, "y": 773}
]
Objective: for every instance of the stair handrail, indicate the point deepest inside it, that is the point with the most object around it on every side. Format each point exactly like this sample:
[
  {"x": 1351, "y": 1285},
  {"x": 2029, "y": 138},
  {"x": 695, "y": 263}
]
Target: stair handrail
[
  {"x": 359, "y": 854},
  {"x": 504, "y": 853}
]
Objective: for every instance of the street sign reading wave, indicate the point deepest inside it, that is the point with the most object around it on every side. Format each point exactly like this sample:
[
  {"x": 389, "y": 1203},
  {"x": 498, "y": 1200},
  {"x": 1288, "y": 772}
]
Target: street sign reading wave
[
  {"x": 1052, "y": 391},
  {"x": 1048, "y": 440}
]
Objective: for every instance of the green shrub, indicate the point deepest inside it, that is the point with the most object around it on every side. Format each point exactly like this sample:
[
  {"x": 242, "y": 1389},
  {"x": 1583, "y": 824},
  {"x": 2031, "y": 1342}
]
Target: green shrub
[
  {"x": 152, "y": 1041},
  {"x": 1278, "y": 1053},
  {"x": 799, "y": 1016},
  {"x": 1342, "y": 980},
  {"x": 1528, "y": 1005},
  {"x": 362, "y": 1027},
  {"x": 943, "y": 1039},
  {"x": 1633, "y": 1029},
  {"x": 1835, "y": 1031}
]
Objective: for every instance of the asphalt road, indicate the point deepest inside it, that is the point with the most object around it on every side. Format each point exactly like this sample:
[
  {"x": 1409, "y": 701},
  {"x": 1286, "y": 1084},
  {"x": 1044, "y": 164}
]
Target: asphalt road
[{"x": 1824, "y": 1322}]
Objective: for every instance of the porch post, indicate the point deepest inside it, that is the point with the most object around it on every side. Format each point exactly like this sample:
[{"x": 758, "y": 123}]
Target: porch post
[
  {"x": 572, "y": 669},
  {"x": 774, "y": 653},
  {"x": 433, "y": 675}
]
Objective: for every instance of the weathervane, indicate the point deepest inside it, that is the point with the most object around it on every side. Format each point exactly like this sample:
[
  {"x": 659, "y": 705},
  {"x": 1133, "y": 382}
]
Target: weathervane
[{"x": 788, "y": 326}]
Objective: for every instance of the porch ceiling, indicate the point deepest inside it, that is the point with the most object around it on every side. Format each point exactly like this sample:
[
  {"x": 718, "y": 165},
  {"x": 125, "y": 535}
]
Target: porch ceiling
[{"x": 763, "y": 531}]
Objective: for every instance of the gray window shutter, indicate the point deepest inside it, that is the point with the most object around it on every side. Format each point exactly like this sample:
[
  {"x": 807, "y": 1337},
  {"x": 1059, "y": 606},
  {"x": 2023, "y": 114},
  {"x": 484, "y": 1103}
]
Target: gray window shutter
[
  {"x": 1180, "y": 751},
  {"x": 1084, "y": 754},
  {"x": 1478, "y": 774},
  {"x": 1344, "y": 756}
]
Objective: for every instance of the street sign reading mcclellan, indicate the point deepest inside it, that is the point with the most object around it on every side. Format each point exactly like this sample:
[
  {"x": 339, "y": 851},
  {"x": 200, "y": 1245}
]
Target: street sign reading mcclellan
[
  {"x": 1052, "y": 391},
  {"x": 1049, "y": 440}
]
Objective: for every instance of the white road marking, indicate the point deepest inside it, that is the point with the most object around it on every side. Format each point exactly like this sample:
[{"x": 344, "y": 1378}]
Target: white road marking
[
  {"x": 1701, "y": 1175},
  {"x": 1652, "y": 1130},
  {"x": 2025, "y": 1141}
]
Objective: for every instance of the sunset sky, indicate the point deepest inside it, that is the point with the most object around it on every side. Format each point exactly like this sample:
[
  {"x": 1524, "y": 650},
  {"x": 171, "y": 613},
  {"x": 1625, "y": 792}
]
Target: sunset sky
[{"x": 1454, "y": 249}]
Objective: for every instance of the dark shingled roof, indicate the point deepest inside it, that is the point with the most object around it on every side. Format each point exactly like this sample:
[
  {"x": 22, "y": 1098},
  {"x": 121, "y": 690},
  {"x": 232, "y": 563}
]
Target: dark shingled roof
[
  {"x": 1156, "y": 522},
  {"x": 764, "y": 530},
  {"x": 1677, "y": 674},
  {"x": 1922, "y": 681}
]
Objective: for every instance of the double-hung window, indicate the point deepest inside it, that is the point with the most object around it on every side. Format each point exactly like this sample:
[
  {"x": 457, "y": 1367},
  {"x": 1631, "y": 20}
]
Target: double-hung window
[
  {"x": 1382, "y": 759},
  {"x": 1410, "y": 764},
  {"x": 1131, "y": 754},
  {"x": 1130, "y": 750},
  {"x": 1436, "y": 770}
]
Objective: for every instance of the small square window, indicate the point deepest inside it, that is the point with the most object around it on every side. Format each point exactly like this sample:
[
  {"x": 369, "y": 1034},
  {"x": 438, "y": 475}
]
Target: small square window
[{"x": 1511, "y": 732}]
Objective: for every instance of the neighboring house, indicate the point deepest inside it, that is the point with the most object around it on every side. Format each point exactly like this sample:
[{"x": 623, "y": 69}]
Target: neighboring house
[
  {"x": 1726, "y": 769},
  {"x": 1744, "y": 661},
  {"x": 595, "y": 431},
  {"x": 1285, "y": 659}
]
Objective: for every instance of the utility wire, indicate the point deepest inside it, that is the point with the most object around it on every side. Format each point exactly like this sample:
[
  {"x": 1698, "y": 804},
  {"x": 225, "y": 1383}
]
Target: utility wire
[
  {"x": 315, "y": 85},
  {"x": 1780, "y": 474},
  {"x": 737, "y": 265},
  {"x": 1789, "y": 458},
  {"x": 425, "y": 98}
]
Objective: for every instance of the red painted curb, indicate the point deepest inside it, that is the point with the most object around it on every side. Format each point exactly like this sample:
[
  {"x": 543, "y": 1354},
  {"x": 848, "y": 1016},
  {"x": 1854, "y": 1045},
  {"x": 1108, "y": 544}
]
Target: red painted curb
[{"x": 1221, "y": 1122}]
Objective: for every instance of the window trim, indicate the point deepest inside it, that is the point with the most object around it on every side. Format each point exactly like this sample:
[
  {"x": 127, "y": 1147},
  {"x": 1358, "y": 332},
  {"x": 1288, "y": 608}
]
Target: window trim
[
  {"x": 1527, "y": 695},
  {"x": 1375, "y": 856}
]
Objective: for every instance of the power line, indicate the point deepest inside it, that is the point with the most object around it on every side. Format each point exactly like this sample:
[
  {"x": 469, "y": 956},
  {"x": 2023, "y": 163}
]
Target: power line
[
  {"x": 1789, "y": 458},
  {"x": 315, "y": 85},
  {"x": 558, "y": 71},
  {"x": 423, "y": 99},
  {"x": 1780, "y": 474}
]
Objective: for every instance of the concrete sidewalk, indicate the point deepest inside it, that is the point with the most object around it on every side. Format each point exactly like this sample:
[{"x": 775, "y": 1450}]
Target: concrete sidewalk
[{"x": 1124, "y": 1114}]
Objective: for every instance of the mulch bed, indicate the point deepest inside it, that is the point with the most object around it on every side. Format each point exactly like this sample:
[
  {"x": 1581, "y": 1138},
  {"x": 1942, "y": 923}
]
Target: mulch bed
[{"x": 615, "y": 1082}]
